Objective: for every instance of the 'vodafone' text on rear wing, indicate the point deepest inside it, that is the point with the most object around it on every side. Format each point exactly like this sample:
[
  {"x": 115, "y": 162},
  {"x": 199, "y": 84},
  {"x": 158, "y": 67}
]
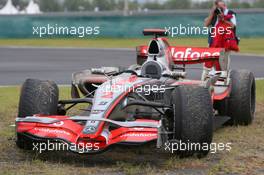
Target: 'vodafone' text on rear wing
[{"x": 185, "y": 55}]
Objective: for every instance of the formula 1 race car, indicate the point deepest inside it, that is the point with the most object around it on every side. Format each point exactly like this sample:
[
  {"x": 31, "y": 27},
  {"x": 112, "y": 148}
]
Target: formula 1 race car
[{"x": 149, "y": 101}]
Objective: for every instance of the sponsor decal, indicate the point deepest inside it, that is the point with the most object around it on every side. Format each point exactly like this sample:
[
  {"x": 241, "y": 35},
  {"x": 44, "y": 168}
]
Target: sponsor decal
[
  {"x": 188, "y": 53},
  {"x": 102, "y": 103},
  {"x": 138, "y": 129},
  {"x": 107, "y": 94},
  {"x": 96, "y": 111},
  {"x": 139, "y": 135},
  {"x": 52, "y": 131},
  {"x": 89, "y": 129},
  {"x": 192, "y": 53},
  {"x": 131, "y": 79},
  {"x": 60, "y": 123}
]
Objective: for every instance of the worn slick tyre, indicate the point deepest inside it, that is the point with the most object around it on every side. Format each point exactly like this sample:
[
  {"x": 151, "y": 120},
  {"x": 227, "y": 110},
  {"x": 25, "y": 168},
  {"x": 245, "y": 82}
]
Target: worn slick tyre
[
  {"x": 242, "y": 101},
  {"x": 193, "y": 119},
  {"x": 37, "y": 97}
]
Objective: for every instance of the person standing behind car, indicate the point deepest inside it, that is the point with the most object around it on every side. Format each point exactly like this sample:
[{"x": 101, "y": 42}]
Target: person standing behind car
[{"x": 221, "y": 16}]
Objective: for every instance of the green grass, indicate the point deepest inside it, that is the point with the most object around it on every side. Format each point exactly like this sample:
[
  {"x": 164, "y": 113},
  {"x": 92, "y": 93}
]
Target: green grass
[
  {"x": 246, "y": 156},
  {"x": 260, "y": 90},
  {"x": 247, "y": 45}
]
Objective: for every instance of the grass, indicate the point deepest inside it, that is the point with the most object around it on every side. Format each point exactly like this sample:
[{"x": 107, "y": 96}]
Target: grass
[
  {"x": 247, "y": 45},
  {"x": 245, "y": 157}
]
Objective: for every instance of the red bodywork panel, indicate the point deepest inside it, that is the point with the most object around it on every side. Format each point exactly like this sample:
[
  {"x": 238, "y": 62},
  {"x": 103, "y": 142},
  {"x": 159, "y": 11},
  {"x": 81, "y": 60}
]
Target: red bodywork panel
[
  {"x": 222, "y": 95},
  {"x": 187, "y": 55}
]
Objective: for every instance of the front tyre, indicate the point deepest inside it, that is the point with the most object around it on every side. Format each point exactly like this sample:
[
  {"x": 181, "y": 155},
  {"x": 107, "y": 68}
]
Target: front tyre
[
  {"x": 193, "y": 119},
  {"x": 37, "y": 97}
]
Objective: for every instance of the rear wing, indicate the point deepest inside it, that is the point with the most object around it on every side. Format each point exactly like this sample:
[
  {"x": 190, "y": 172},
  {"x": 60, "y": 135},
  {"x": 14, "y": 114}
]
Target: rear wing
[
  {"x": 185, "y": 55},
  {"x": 155, "y": 32}
]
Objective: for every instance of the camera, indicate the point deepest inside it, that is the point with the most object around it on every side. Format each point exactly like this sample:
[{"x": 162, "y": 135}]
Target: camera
[{"x": 218, "y": 11}]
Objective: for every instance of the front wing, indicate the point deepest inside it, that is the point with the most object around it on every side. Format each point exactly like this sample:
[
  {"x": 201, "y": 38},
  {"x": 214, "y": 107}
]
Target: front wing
[{"x": 69, "y": 130}]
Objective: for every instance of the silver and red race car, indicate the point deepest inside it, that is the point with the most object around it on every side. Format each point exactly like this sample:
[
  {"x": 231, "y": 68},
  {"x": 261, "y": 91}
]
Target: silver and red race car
[{"x": 149, "y": 101}]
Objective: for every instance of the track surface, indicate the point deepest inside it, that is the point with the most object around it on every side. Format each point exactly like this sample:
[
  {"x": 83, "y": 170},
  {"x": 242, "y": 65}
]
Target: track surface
[{"x": 17, "y": 64}]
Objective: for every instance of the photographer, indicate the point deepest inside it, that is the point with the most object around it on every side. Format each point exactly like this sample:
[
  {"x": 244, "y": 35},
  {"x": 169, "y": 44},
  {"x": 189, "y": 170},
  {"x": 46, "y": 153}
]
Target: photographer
[{"x": 223, "y": 35}]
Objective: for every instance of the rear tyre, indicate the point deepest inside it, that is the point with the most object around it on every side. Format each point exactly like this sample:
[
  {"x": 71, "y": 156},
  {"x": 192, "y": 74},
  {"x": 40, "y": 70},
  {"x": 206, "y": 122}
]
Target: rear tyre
[
  {"x": 242, "y": 101},
  {"x": 37, "y": 97},
  {"x": 193, "y": 119}
]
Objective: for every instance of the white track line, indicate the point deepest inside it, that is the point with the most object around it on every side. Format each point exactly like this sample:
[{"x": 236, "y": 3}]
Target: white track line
[
  {"x": 248, "y": 54},
  {"x": 261, "y": 78},
  {"x": 10, "y": 86},
  {"x": 66, "y": 48},
  {"x": 6, "y": 86}
]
